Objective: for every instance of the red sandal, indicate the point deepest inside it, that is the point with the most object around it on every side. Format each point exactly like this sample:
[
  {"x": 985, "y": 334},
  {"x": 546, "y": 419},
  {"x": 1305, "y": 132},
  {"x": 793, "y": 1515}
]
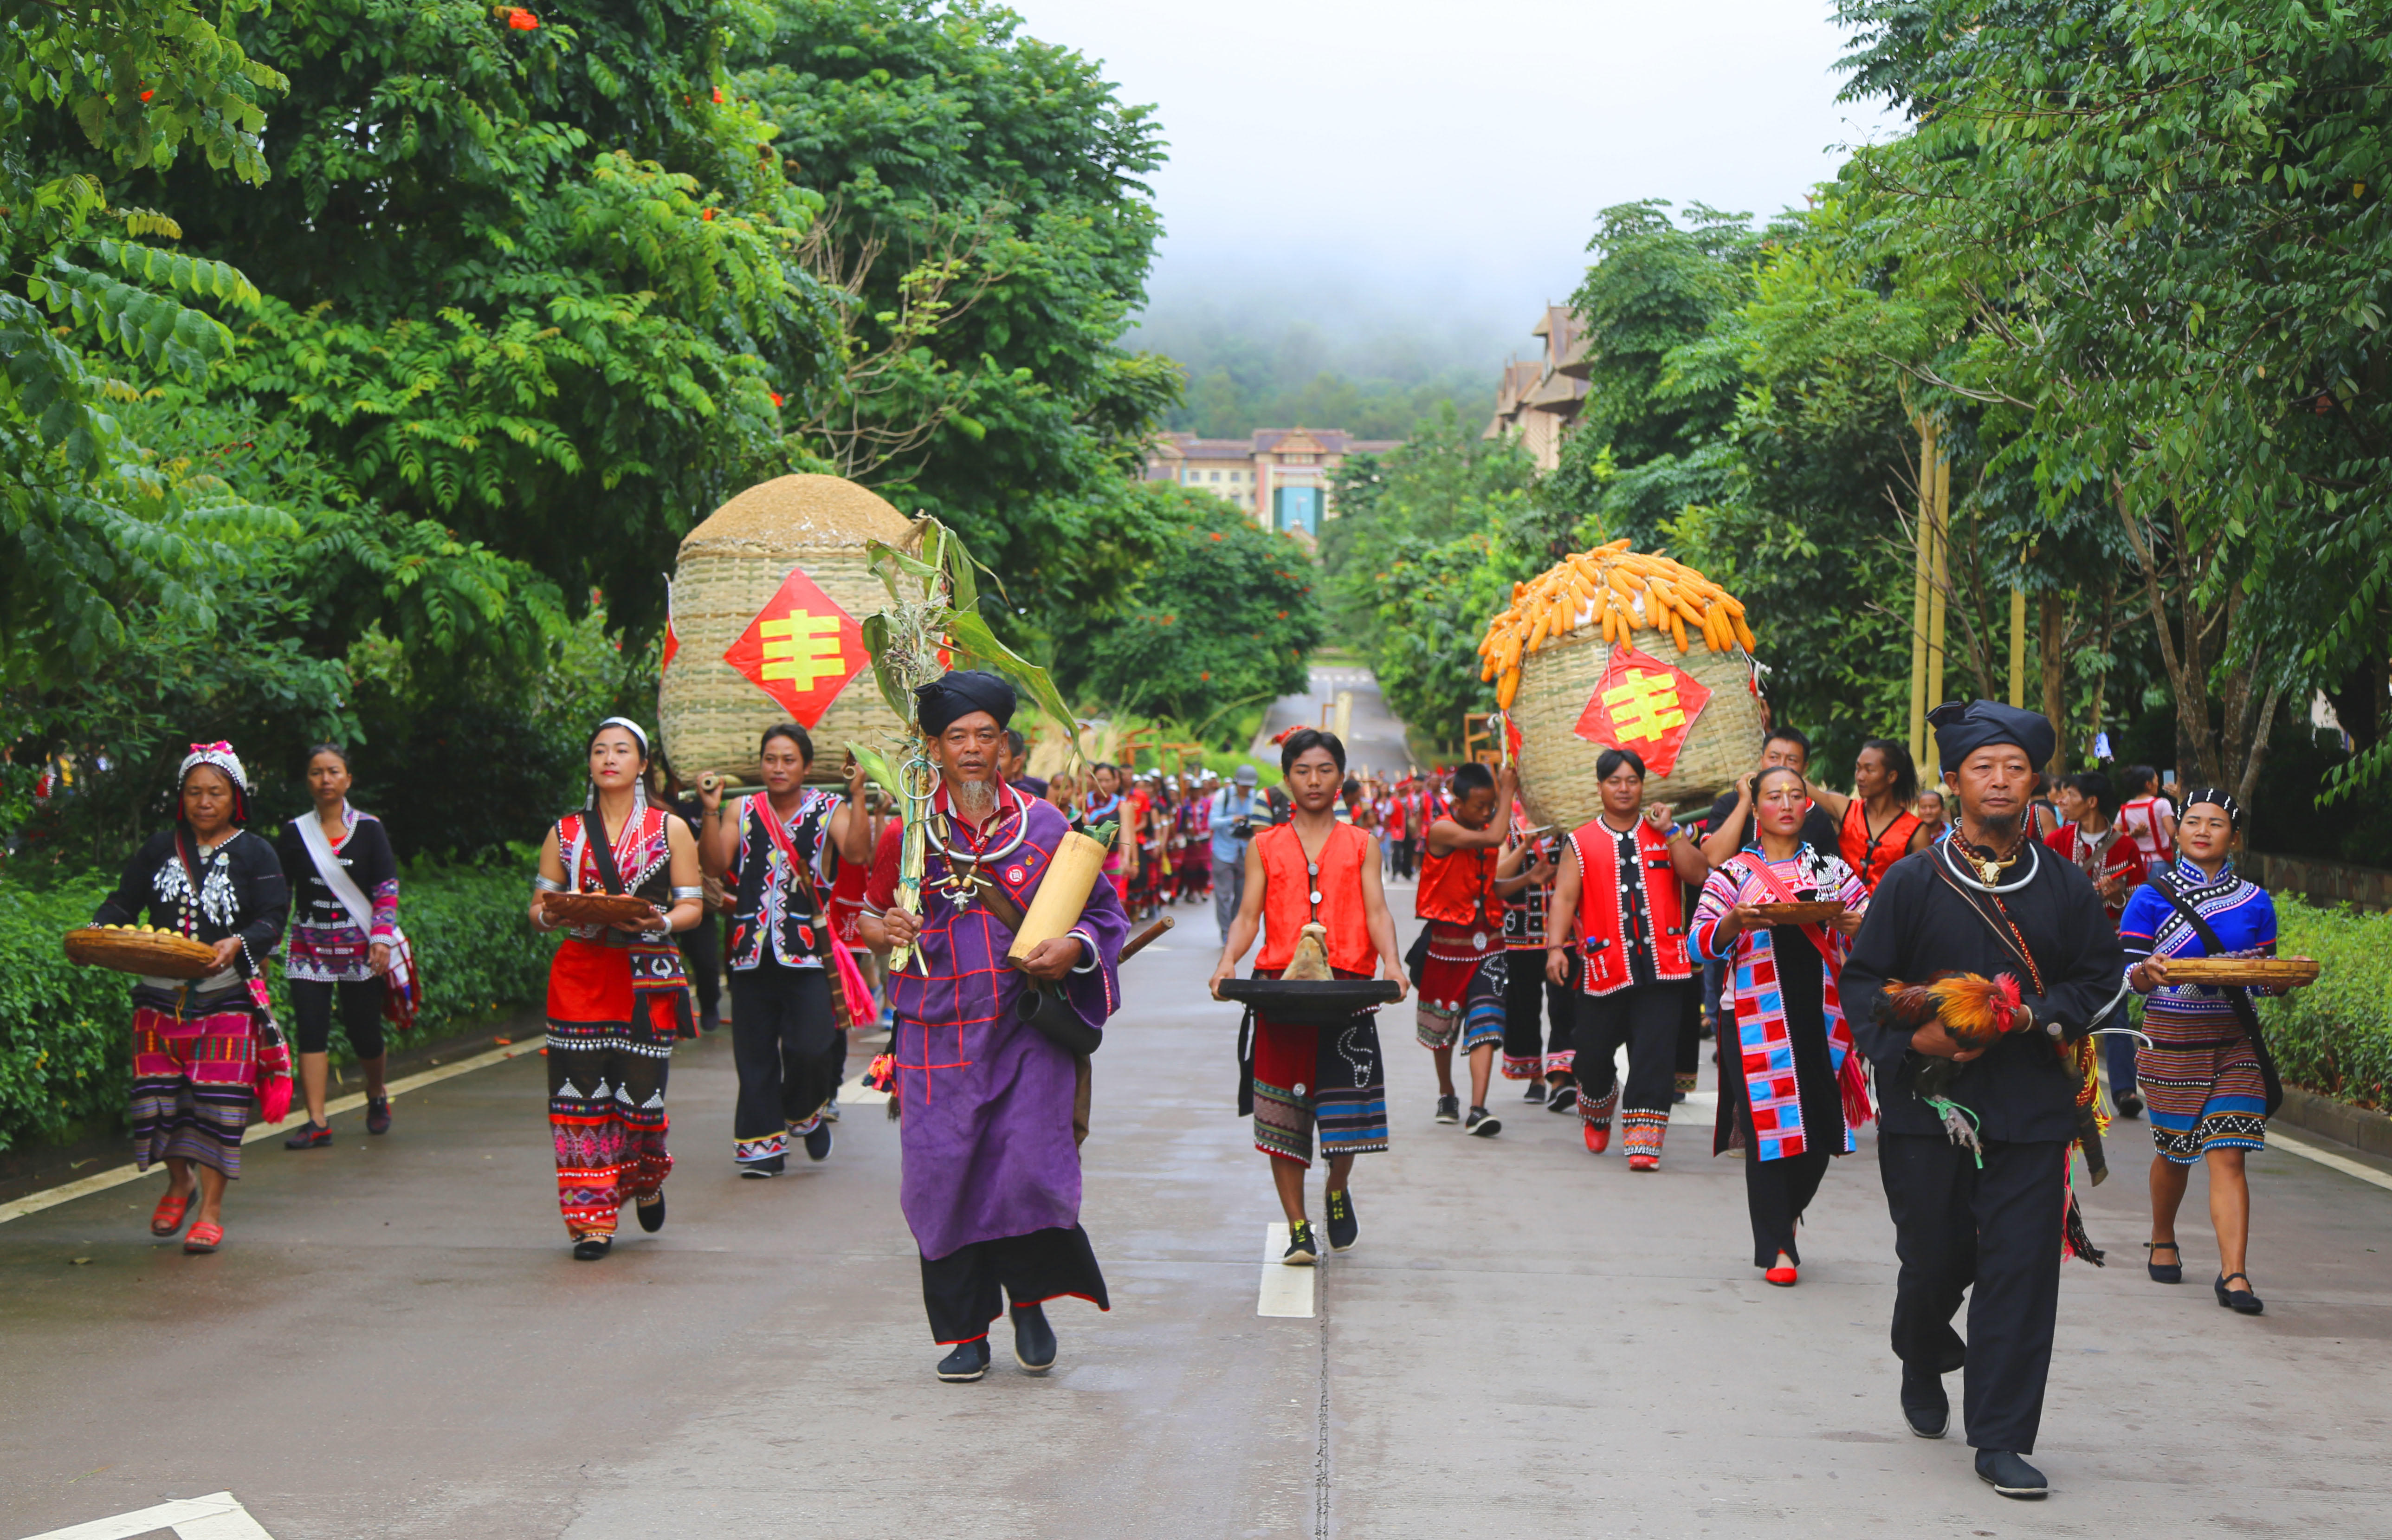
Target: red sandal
[
  {"x": 167, "y": 1218},
  {"x": 206, "y": 1236}
]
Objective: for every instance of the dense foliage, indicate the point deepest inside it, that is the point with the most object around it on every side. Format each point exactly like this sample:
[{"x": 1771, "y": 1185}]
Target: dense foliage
[
  {"x": 2336, "y": 1035},
  {"x": 63, "y": 1064}
]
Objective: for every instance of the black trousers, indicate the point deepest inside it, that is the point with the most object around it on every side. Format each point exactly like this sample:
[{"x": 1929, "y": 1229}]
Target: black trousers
[
  {"x": 360, "y": 1000},
  {"x": 1775, "y": 1194},
  {"x": 960, "y": 1289},
  {"x": 1529, "y": 994},
  {"x": 789, "y": 1054},
  {"x": 1994, "y": 1234},
  {"x": 1688, "y": 1066},
  {"x": 701, "y": 953},
  {"x": 1645, "y": 1016}
]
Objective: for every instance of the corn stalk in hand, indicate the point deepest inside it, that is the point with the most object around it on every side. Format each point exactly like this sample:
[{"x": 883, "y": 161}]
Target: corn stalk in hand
[{"x": 933, "y": 612}]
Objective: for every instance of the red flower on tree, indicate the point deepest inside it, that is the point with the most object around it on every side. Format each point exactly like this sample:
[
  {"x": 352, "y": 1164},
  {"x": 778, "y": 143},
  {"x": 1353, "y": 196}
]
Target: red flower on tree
[
  {"x": 776, "y": 397},
  {"x": 706, "y": 214},
  {"x": 520, "y": 19}
]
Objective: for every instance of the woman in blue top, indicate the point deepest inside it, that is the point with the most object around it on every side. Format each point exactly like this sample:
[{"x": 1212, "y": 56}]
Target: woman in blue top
[{"x": 2206, "y": 1075}]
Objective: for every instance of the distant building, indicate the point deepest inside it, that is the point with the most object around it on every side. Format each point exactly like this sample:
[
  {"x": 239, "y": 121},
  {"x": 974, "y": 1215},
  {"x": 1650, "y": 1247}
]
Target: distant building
[
  {"x": 1536, "y": 400},
  {"x": 1280, "y": 476}
]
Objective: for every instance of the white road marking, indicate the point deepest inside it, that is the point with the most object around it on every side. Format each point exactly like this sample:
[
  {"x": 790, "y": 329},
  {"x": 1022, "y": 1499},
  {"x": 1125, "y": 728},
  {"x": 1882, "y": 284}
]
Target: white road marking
[
  {"x": 1287, "y": 1291},
  {"x": 217, "y": 1516},
  {"x": 50, "y": 1198},
  {"x": 2278, "y": 1140}
]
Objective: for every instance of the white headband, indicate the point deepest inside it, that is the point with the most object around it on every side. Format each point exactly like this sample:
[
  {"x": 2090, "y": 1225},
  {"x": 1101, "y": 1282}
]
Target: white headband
[{"x": 627, "y": 726}]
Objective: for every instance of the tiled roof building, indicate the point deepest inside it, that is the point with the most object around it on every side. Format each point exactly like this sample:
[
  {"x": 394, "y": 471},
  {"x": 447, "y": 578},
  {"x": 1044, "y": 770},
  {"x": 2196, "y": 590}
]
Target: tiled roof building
[
  {"x": 1537, "y": 399},
  {"x": 1279, "y": 476}
]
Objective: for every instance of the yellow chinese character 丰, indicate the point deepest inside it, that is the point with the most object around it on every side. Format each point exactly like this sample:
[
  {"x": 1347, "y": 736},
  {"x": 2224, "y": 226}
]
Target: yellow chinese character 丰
[
  {"x": 802, "y": 648},
  {"x": 1644, "y": 708}
]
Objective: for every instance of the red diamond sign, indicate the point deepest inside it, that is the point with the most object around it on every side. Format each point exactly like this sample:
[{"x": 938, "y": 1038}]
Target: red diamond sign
[
  {"x": 800, "y": 649},
  {"x": 1643, "y": 703}
]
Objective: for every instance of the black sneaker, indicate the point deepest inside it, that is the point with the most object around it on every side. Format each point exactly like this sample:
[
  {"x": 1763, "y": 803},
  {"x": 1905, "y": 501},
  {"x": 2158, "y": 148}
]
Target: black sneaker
[
  {"x": 652, "y": 1213},
  {"x": 1536, "y": 1091},
  {"x": 1565, "y": 1097},
  {"x": 968, "y": 1362},
  {"x": 818, "y": 1141},
  {"x": 2010, "y": 1475},
  {"x": 1480, "y": 1126},
  {"x": 310, "y": 1135},
  {"x": 1302, "y": 1249},
  {"x": 1343, "y": 1228},
  {"x": 771, "y": 1165},
  {"x": 1448, "y": 1109},
  {"x": 377, "y": 1114},
  {"x": 1033, "y": 1339}
]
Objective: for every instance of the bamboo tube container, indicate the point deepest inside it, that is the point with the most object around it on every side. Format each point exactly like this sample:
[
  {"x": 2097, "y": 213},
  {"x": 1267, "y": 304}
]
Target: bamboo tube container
[{"x": 1079, "y": 864}]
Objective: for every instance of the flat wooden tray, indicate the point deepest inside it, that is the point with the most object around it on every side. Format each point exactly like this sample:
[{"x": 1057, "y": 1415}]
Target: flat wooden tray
[
  {"x": 161, "y": 954},
  {"x": 2263, "y": 972},
  {"x": 1819, "y": 913},
  {"x": 594, "y": 908},
  {"x": 1309, "y": 999}
]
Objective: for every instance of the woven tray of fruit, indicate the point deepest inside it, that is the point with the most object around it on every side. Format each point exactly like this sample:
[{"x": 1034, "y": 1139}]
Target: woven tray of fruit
[
  {"x": 139, "y": 949},
  {"x": 597, "y": 909}
]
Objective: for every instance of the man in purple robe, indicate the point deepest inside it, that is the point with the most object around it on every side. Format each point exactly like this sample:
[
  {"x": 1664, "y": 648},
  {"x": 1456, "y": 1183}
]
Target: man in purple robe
[{"x": 991, "y": 1171}]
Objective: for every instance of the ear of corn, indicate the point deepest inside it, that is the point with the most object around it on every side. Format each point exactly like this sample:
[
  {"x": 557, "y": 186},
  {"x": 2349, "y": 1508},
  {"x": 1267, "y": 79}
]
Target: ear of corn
[{"x": 1618, "y": 591}]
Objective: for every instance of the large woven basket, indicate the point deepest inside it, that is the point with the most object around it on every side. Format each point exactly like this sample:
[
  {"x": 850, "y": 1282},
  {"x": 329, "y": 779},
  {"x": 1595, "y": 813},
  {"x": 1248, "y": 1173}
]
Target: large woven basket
[
  {"x": 1557, "y": 779},
  {"x": 730, "y": 566},
  {"x": 158, "y": 954}
]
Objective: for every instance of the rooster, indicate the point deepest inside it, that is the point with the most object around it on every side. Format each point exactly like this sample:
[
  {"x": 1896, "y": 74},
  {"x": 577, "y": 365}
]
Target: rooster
[{"x": 1976, "y": 1011}]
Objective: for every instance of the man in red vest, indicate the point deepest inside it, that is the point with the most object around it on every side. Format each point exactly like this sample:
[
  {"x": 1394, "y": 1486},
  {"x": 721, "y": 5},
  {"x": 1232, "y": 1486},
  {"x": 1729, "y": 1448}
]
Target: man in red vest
[
  {"x": 1461, "y": 982},
  {"x": 1314, "y": 867},
  {"x": 1620, "y": 889}
]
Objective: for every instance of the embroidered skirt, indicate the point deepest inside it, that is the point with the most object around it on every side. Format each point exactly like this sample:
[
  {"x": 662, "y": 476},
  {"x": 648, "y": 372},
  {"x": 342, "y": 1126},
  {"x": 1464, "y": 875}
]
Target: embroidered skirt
[
  {"x": 613, "y": 1013},
  {"x": 2200, "y": 1081},
  {"x": 1329, "y": 1075},
  {"x": 194, "y": 1076}
]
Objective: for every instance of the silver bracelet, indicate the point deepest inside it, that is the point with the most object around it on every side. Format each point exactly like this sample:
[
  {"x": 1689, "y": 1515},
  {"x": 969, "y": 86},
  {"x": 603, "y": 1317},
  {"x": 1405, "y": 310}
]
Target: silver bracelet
[
  {"x": 545, "y": 883},
  {"x": 679, "y": 894},
  {"x": 1094, "y": 958}
]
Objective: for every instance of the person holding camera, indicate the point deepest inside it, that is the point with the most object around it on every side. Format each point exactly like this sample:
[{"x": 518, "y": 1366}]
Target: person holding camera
[{"x": 1237, "y": 813}]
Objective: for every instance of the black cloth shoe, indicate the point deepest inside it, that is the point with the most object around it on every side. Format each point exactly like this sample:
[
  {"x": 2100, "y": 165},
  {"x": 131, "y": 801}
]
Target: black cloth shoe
[
  {"x": 1924, "y": 1404},
  {"x": 1302, "y": 1249},
  {"x": 1343, "y": 1226},
  {"x": 1536, "y": 1091},
  {"x": 1448, "y": 1109},
  {"x": 1564, "y": 1099},
  {"x": 1033, "y": 1339},
  {"x": 1480, "y": 1126},
  {"x": 591, "y": 1248},
  {"x": 2130, "y": 1105},
  {"x": 652, "y": 1215},
  {"x": 968, "y": 1362},
  {"x": 2163, "y": 1273},
  {"x": 818, "y": 1141},
  {"x": 2242, "y": 1302},
  {"x": 377, "y": 1114},
  {"x": 771, "y": 1165},
  {"x": 310, "y": 1135},
  {"x": 2010, "y": 1475}
]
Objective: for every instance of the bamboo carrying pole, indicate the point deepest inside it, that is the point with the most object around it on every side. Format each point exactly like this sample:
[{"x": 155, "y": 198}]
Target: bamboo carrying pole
[
  {"x": 2018, "y": 647},
  {"x": 1923, "y": 541},
  {"x": 1062, "y": 893},
  {"x": 1940, "y": 535}
]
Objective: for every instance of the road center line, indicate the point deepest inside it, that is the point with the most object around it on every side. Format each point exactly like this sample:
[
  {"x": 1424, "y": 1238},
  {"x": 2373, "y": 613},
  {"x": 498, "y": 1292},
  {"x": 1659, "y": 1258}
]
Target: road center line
[
  {"x": 1287, "y": 1291},
  {"x": 34, "y": 1203}
]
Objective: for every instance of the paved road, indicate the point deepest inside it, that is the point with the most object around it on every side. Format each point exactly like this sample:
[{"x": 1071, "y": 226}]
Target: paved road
[
  {"x": 1527, "y": 1342},
  {"x": 1376, "y": 742}
]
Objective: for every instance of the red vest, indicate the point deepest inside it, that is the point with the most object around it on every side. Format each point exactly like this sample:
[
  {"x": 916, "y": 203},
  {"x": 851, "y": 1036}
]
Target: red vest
[
  {"x": 1288, "y": 888},
  {"x": 1458, "y": 888},
  {"x": 1599, "y": 920},
  {"x": 1869, "y": 858}
]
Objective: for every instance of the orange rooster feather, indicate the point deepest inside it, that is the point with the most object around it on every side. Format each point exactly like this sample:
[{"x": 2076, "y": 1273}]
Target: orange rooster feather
[{"x": 1975, "y": 1011}]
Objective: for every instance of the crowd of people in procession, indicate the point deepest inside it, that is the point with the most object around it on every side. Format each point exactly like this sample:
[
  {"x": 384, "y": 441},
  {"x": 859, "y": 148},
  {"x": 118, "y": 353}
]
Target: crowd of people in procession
[{"x": 1542, "y": 955}]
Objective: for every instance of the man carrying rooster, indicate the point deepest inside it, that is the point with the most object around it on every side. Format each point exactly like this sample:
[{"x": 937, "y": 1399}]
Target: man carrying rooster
[{"x": 1980, "y": 966}]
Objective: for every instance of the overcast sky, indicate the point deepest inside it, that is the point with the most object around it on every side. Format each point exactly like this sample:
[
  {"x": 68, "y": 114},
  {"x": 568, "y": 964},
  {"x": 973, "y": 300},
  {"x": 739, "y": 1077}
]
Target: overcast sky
[{"x": 1434, "y": 157}]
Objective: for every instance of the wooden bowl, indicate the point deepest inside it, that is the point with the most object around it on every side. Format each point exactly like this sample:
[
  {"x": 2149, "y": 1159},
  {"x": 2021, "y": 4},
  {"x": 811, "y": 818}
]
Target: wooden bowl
[
  {"x": 1300, "y": 1000},
  {"x": 1821, "y": 913},
  {"x": 595, "y": 909},
  {"x": 2250, "y": 972},
  {"x": 160, "y": 954}
]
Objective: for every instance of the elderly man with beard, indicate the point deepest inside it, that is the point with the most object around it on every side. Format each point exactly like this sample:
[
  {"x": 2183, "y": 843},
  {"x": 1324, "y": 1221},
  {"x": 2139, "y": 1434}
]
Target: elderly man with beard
[
  {"x": 1987, "y": 1222},
  {"x": 991, "y": 1185}
]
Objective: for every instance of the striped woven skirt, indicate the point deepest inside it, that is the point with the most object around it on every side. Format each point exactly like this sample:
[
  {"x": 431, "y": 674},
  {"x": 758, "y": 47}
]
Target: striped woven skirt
[
  {"x": 194, "y": 1076},
  {"x": 613, "y": 1014},
  {"x": 2200, "y": 1079}
]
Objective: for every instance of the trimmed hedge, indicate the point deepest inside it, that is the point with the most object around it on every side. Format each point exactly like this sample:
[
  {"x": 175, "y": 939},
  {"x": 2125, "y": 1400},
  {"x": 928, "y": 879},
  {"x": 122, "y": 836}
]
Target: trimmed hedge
[
  {"x": 2335, "y": 1036},
  {"x": 64, "y": 1067}
]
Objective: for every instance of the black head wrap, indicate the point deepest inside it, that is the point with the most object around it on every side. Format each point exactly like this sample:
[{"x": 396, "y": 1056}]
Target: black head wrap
[
  {"x": 953, "y": 695},
  {"x": 1961, "y": 730},
  {"x": 2218, "y": 800}
]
